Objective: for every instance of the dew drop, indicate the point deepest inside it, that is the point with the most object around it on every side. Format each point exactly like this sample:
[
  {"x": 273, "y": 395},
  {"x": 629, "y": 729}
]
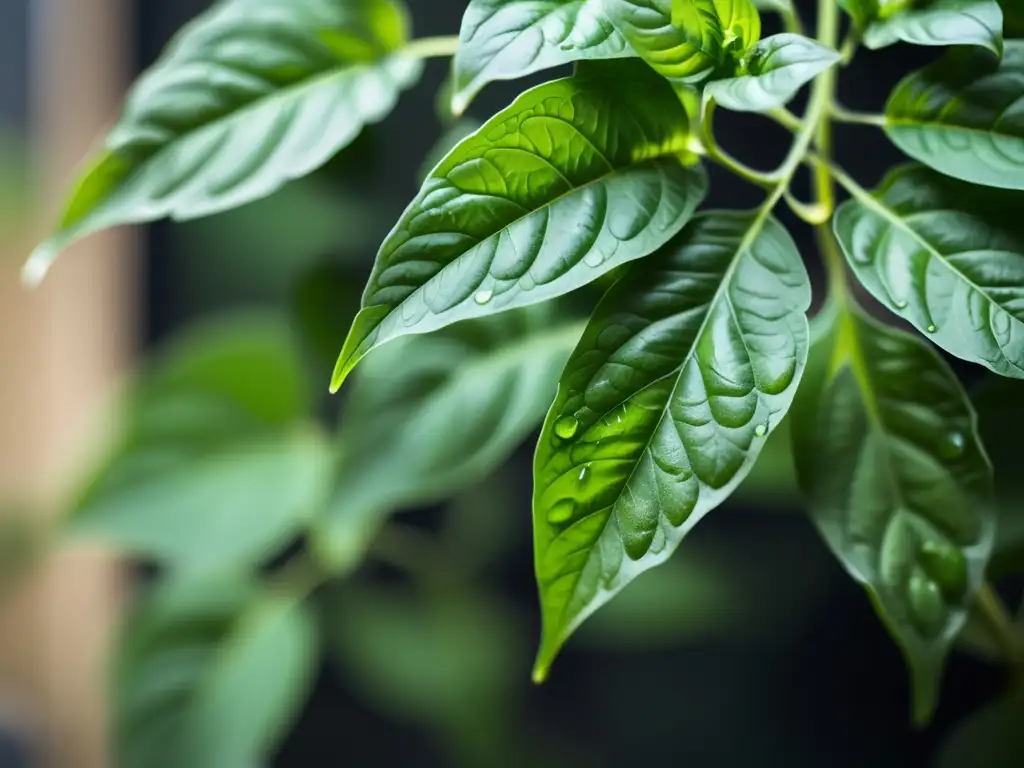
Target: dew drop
[
  {"x": 566, "y": 427},
  {"x": 594, "y": 259},
  {"x": 927, "y": 608},
  {"x": 562, "y": 512},
  {"x": 761, "y": 429},
  {"x": 946, "y": 565},
  {"x": 482, "y": 297},
  {"x": 931, "y": 329},
  {"x": 583, "y": 474},
  {"x": 952, "y": 445}
]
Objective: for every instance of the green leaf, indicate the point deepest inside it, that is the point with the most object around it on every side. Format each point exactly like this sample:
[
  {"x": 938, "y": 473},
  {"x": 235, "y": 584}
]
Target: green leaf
[
  {"x": 944, "y": 256},
  {"x": 942, "y": 22},
  {"x": 431, "y": 415},
  {"x": 774, "y": 70},
  {"x": 897, "y": 482},
  {"x": 507, "y": 39},
  {"x": 217, "y": 465},
  {"x": 959, "y": 116},
  {"x": 775, "y": 6},
  {"x": 211, "y": 674},
  {"x": 250, "y": 95},
  {"x": 685, "y": 41},
  {"x": 686, "y": 366},
  {"x": 989, "y": 738},
  {"x": 577, "y": 177}
]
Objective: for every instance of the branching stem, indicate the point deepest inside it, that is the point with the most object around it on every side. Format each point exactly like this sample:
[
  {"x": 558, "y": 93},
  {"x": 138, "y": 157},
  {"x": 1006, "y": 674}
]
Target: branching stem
[{"x": 432, "y": 47}]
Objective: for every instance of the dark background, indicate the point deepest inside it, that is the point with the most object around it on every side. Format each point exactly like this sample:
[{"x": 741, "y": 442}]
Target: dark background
[{"x": 812, "y": 680}]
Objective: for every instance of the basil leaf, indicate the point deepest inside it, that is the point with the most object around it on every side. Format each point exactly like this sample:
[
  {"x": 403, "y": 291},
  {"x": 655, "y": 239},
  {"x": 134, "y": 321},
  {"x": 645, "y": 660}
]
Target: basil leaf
[
  {"x": 211, "y": 674},
  {"x": 773, "y": 71},
  {"x": 942, "y": 255},
  {"x": 958, "y": 116},
  {"x": 896, "y": 481},
  {"x": 577, "y": 177},
  {"x": 250, "y": 95},
  {"x": 483, "y": 385},
  {"x": 687, "y": 40},
  {"x": 942, "y": 22},
  {"x": 686, "y": 366},
  {"x": 506, "y": 39}
]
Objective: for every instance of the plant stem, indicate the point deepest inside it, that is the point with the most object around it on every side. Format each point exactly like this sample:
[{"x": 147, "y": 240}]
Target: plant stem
[
  {"x": 432, "y": 47},
  {"x": 859, "y": 118},
  {"x": 786, "y": 119},
  {"x": 710, "y": 148},
  {"x": 999, "y": 625}
]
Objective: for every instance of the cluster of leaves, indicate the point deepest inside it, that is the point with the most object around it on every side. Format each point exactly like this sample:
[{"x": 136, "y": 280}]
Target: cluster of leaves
[{"x": 666, "y": 396}]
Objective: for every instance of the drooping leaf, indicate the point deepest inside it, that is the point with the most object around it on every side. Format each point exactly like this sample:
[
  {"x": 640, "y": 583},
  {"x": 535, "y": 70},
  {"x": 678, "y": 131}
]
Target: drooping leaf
[
  {"x": 941, "y": 22},
  {"x": 250, "y": 95},
  {"x": 217, "y": 465},
  {"x": 687, "y": 40},
  {"x": 896, "y": 481},
  {"x": 960, "y": 116},
  {"x": 210, "y": 675},
  {"x": 945, "y": 256},
  {"x": 575, "y": 178},
  {"x": 772, "y": 72},
  {"x": 507, "y": 39},
  {"x": 686, "y": 366},
  {"x": 431, "y": 415}
]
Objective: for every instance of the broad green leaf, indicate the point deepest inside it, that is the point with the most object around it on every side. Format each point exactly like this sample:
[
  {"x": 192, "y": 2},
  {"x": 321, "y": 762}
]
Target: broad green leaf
[
  {"x": 961, "y": 116},
  {"x": 989, "y": 738},
  {"x": 250, "y": 95},
  {"x": 687, "y": 40},
  {"x": 897, "y": 482},
  {"x": 771, "y": 73},
  {"x": 944, "y": 256},
  {"x": 431, "y": 415},
  {"x": 210, "y": 674},
  {"x": 577, "y": 177},
  {"x": 507, "y": 39},
  {"x": 217, "y": 465},
  {"x": 941, "y": 22},
  {"x": 686, "y": 366}
]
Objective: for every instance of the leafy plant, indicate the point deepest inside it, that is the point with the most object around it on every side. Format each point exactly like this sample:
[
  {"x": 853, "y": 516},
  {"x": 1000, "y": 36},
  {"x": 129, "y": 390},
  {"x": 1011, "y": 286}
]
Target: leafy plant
[{"x": 694, "y": 356}]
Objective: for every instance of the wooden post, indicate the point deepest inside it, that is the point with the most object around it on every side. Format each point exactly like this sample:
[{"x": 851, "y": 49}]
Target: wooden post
[{"x": 62, "y": 349}]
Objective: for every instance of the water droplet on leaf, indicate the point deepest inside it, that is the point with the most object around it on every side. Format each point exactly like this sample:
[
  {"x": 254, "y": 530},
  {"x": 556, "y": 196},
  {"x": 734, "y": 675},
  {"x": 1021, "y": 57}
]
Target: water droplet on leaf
[
  {"x": 583, "y": 473},
  {"x": 566, "y": 427},
  {"x": 952, "y": 445},
  {"x": 761, "y": 430},
  {"x": 946, "y": 565},
  {"x": 482, "y": 297},
  {"x": 562, "y": 512},
  {"x": 931, "y": 329},
  {"x": 594, "y": 259}
]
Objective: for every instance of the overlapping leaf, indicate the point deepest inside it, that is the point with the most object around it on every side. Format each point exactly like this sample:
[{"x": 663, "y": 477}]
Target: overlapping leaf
[
  {"x": 433, "y": 414},
  {"x": 941, "y": 22},
  {"x": 506, "y": 39},
  {"x": 575, "y": 178},
  {"x": 897, "y": 482},
  {"x": 772, "y": 72},
  {"x": 946, "y": 256},
  {"x": 686, "y": 366},
  {"x": 962, "y": 116},
  {"x": 250, "y": 95}
]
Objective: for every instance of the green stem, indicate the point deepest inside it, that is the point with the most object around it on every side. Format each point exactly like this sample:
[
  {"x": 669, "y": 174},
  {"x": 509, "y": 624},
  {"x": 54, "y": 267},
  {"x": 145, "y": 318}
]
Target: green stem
[
  {"x": 791, "y": 21},
  {"x": 710, "y": 148},
  {"x": 786, "y": 119},
  {"x": 432, "y": 47},
  {"x": 999, "y": 625},
  {"x": 859, "y": 118}
]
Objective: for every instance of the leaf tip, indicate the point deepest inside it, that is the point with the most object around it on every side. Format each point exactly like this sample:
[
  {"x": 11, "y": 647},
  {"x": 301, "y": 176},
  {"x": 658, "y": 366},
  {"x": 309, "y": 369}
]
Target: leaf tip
[
  {"x": 541, "y": 670},
  {"x": 38, "y": 265}
]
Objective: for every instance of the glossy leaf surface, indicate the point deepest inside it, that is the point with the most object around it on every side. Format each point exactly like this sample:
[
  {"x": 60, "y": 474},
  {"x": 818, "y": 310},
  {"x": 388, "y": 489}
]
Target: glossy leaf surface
[
  {"x": 506, "y": 39},
  {"x": 686, "y": 366},
  {"x": 210, "y": 675},
  {"x": 248, "y": 96},
  {"x": 430, "y": 415},
  {"x": 942, "y": 22},
  {"x": 773, "y": 71},
  {"x": 577, "y": 177},
  {"x": 217, "y": 465},
  {"x": 946, "y": 256},
  {"x": 961, "y": 116},
  {"x": 897, "y": 482}
]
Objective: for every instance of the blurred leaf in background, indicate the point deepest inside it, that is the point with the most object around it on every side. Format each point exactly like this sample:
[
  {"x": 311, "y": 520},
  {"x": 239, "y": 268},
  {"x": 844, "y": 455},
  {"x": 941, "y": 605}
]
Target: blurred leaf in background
[
  {"x": 221, "y": 462},
  {"x": 990, "y": 738},
  {"x": 15, "y": 194},
  {"x": 210, "y": 674}
]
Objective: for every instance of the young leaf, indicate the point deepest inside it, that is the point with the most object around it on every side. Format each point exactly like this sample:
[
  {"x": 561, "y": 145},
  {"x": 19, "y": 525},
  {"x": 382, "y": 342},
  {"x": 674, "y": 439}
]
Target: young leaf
[
  {"x": 210, "y": 675},
  {"x": 947, "y": 257},
  {"x": 773, "y": 71},
  {"x": 958, "y": 116},
  {"x": 577, "y": 177},
  {"x": 687, "y": 40},
  {"x": 250, "y": 95},
  {"x": 941, "y": 22},
  {"x": 897, "y": 482},
  {"x": 686, "y": 366},
  {"x": 506, "y": 39},
  {"x": 483, "y": 386}
]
